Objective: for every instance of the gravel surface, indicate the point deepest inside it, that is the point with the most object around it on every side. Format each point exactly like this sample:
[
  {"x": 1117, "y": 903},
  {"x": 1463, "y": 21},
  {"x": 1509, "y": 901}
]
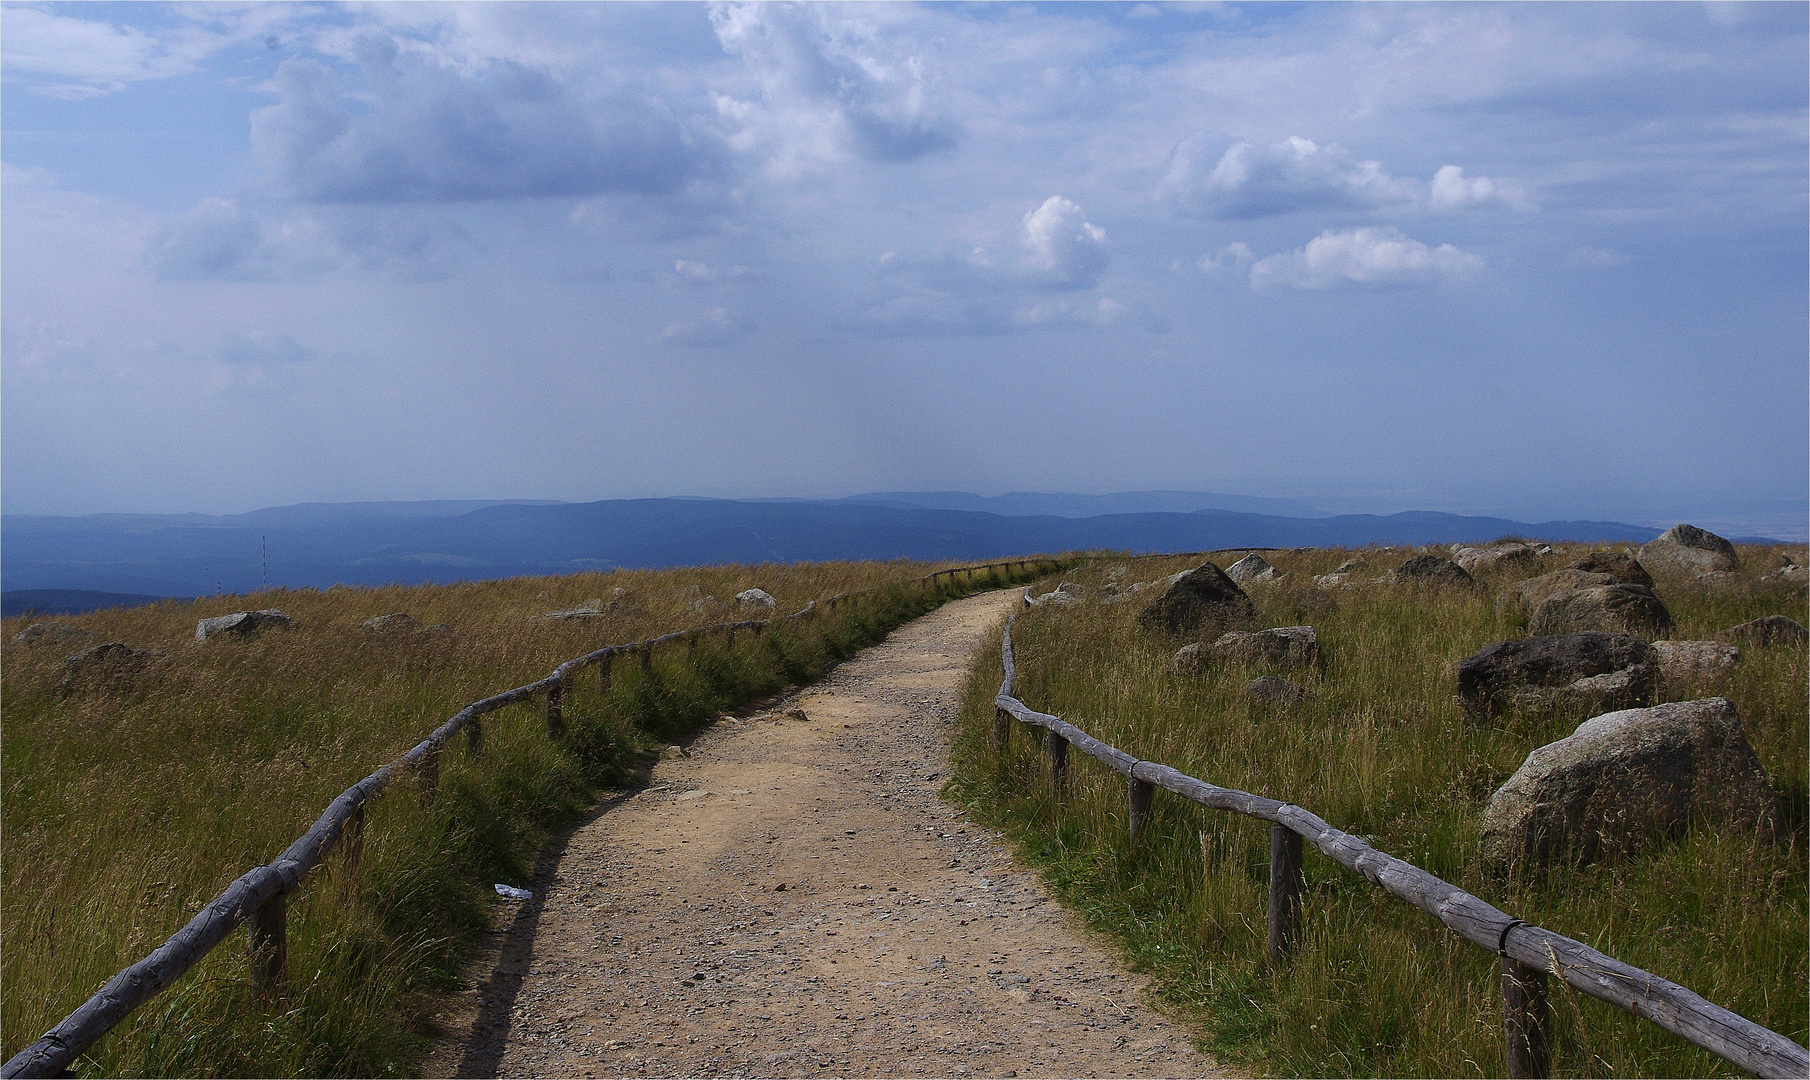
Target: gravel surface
[{"x": 792, "y": 899}]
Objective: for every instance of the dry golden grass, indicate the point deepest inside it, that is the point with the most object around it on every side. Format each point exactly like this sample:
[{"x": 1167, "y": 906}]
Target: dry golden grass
[
  {"x": 130, "y": 803},
  {"x": 1384, "y": 751}
]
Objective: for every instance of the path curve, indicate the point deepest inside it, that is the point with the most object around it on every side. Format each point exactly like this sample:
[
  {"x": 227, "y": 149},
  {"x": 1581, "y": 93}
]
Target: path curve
[{"x": 794, "y": 900}]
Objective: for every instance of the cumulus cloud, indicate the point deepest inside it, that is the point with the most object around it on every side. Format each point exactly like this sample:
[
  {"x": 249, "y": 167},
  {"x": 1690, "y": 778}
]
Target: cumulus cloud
[
  {"x": 1215, "y": 176},
  {"x": 716, "y": 328},
  {"x": 832, "y": 81},
  {"x": 428, "y": 132},
  {"x": 1063, "y": 249},
  {"x": 1363, "y": 257},
  {"x": 697, "y": 273},
  {"x": 1233, "y": 260}
]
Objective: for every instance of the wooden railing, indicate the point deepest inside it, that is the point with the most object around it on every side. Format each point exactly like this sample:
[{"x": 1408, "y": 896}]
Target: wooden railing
[
  {"x": 1528, "y": 953},
  {"x": 259, "y": 897}
]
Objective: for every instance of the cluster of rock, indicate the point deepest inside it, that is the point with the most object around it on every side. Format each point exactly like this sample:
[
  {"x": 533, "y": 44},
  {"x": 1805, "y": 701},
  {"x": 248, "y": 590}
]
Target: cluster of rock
[
  {"x": 1199, "y": 601},
  {"x": 112, "y": 664}
]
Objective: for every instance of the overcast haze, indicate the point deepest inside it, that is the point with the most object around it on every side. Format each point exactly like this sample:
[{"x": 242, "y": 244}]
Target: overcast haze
[{"x": 1538, "y": 261}]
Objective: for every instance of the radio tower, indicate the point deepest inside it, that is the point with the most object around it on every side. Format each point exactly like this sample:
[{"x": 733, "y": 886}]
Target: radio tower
[{"x": 264, "y": 542}]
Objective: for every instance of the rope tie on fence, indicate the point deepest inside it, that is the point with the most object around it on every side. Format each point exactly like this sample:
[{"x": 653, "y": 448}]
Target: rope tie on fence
[{"x": 1502, "y": 938}]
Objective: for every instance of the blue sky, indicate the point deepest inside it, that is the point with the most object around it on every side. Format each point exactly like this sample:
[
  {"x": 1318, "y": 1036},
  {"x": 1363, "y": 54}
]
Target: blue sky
[{"x": 1543, "y": 260}]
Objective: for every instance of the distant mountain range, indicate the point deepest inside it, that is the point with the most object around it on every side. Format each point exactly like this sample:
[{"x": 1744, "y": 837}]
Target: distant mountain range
[{"x": 321, "y": 544}]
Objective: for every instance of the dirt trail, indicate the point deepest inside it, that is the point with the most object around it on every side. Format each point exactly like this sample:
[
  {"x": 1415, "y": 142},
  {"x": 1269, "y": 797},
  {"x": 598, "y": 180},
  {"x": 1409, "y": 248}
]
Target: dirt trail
[{"x": 794, "y": 900}]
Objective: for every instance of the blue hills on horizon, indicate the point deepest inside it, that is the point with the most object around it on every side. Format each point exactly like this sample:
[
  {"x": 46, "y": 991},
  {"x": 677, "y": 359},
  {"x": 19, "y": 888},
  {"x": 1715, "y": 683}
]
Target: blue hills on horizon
[{"x": 321, "y": 544}]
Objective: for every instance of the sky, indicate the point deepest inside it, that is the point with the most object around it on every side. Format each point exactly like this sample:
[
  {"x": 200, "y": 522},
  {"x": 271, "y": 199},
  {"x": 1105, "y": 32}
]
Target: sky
[{"x": 1541, "y": 260}]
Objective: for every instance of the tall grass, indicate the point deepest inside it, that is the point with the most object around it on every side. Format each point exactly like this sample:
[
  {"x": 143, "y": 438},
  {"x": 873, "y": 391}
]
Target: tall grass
[
  {"x": 1383, "y": 750},
  {"x": 128, "y": 805}
]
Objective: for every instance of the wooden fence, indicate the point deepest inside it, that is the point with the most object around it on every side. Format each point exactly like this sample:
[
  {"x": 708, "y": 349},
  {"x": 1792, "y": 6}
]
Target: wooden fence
[
  {"x": 259, "y": 896},
  {"x": 1528, "y": 953}
]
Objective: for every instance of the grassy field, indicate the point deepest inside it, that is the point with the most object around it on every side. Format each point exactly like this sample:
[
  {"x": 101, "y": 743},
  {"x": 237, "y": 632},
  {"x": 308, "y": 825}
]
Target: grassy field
[
  {"x": 1383, "y": 750},
  {"x": 128, "y": 805}
]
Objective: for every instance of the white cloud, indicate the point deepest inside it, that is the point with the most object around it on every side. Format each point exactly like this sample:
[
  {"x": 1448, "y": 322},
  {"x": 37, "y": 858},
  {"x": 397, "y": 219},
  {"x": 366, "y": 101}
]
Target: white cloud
[
  {"x": 1062, "y": 248},
  {"x": 832, "y": 81},
  {"x": 1214, "y": 176},
  {"x": 697, "y": 273},
  {"x": 223, "y": 240},
  {"x": 1597, "y": 257},
  {"x": 1451, "y": 190},
  {"x": 1363, "y": 257},
  {"x": 67, "y": 57},
  {"x": 1233, "y": 260}
]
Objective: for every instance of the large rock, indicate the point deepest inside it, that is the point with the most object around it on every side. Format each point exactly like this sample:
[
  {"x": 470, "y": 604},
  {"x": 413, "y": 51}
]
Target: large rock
[
  {"x": 1686, "y": 549},
  {"x": 1252, "y": 567},
  {"x": 1202, "y": 600},
  {"x": 1431, "y": 571},
  {"x": 1288, "y": 645},
  {"x": 1563, "y": 673},
  {"x": 52, "y": 633},
  {"x": 400, "y": 622},
  {"x": 1768, "y": 629},
  {"x": 566, "y": 614},
  {"x": 242, "y": 624},
  {"x": 1612, "y": 609},
  {"x": 1270, "y": 690},
  {"x": 1312, "y": 601},
  {"x": 1692, "y": 663},
  {"x": 1627, "y": 780},
  {"x": 1617, "y": 564},
  {"x": 755, "y": 600},
  {"x": 110, "y": 662},
  {"x": 1066, "y": 594},
  {"x": 1525, "y": 596},
  {"x": 1497, "y": 559}
]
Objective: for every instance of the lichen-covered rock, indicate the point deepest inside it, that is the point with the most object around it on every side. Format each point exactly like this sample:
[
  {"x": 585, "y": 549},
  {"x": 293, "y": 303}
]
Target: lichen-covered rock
[
  {"x": 397, "y": 622},
  {"x": 1190, "y": 659},
  {"x": 1693, "y": 663},
  {"x": 52, "y": 633},
  {"x": 565, "y": 614},
  {"x": 110, "y": 662},
  {"x": 1431, "y": 571},
  {"x": 1497, "y": 559},
  {"x": 1612, "y": 609},
  {"x": 1628, "y": 780},
  {"x": 1202, "y": 600},
  {"x": 242, "y": 624},
  {"x": 1566, "y": 672},
  {"x": 1066, "y": 594},
  {"x": 755, "y": 600},
  {"x": 1767, "y": 630},
  {"x": 1525, "y": 596},
  {"x": 1688, "y": 550},
  {"x": 1271, "y": 690},
  {"x": 1288, "y": 645},
  {"x": 1617, "y": 564},
  {"x": 1252, "y": 567}
]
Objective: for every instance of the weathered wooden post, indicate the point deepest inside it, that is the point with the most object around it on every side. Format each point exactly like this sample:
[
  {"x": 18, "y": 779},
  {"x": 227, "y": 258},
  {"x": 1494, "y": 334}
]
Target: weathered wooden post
[
  {"x": 1139, "y": 792},
  {"x": 556, "y": 717},
  {"x": 691, "y": 648},
  {"x": 647, "y": 659},
  {"x": 1526, "y": 1016},
  {"x": 1058, "y": 750},
  {"x": 603, "y": 675},
  {"x": 269, "y": 933},
  {"x": 1285, "y": 891},
  {"x": 1002, "y": 729},
  {"x": 474, "y": 736},
  {"x": 729, "y": 639}
]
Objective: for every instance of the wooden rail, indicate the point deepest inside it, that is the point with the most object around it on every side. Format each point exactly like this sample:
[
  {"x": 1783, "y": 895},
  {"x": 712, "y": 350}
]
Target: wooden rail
[
  {"x": 1529, "y": 953},
  {"x": 259, "y": 897}
]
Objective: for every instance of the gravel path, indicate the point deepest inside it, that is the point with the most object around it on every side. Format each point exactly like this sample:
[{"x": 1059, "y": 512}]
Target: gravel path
[{"x": 792, "y": 899}]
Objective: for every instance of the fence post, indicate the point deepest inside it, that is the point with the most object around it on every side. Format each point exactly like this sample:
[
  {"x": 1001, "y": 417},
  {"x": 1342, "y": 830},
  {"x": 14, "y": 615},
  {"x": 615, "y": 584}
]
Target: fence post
[
  {"x": 729, "y": 640},
  {"x": 691, "y": 648},
  {"x": 1285, "y": 891},
  {"x": 1139, "y": 793},
  {"x": 556, "y": 718},
  {"x": 474, "y": 736},
  {"x": 1058, "y": 748},
  {"x": 647, "y": 659},
  {"x": 603, "y": 675},
  {"x": 269, "y": 943},
  {"x": 1002, "y": 729},
  {"x": 1526, "y": 1019}
]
